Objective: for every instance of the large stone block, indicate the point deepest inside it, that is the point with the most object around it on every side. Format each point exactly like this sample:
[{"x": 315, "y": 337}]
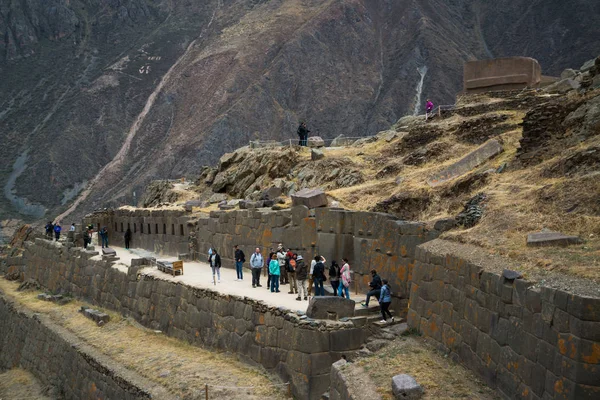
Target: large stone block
[
  {"x": 406, "y": 387},
  {"x": 311, "y": 198},
  {"x": 551, "y": 239},
  {"x": 488, "y": 150},
  {"x": 330, "y": 307},
  {"x": 501, "y": 74},
  {"x": 315, "y": 142}
]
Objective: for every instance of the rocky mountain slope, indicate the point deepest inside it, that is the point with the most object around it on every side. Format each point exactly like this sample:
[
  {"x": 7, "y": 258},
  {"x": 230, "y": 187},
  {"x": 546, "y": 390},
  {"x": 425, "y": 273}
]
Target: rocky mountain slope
[{"x": 99, "y": 97}]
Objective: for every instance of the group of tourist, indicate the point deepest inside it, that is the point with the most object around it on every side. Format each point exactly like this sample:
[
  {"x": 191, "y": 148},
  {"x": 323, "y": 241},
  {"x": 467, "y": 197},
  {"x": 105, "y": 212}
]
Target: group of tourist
[
  {"x": 54, "y": 229},
  {"x": 285, "y": 267}
]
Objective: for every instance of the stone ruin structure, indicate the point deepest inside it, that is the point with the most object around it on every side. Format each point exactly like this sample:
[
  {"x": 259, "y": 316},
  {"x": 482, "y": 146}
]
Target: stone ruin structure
[
  {"x": 501, "y": 74},
  {"x": 525, "y": 339}
]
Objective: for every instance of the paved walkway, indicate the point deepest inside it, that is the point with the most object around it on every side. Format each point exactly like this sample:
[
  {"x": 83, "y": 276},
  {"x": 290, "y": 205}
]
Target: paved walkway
[{"x": 199, "y": 274}]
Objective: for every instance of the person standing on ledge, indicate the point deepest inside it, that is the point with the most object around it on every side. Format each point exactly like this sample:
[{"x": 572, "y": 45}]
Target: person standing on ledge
[
  {"x": 385, "y": 299},
  {"x": 274, "y": 270},
  {"x": 303, "y": 133},
  {"x": 104, "y": 237},
  {"x": 127, "y": 238},
  {"x": 57, "y": 230},
  {"x": 240, "y": 258},
  {"x": 428, "y": 109},
  {"x": 346, "y": 279},
  {"x": 256, "y": 263},
  {"x": 72, "y": 228}
]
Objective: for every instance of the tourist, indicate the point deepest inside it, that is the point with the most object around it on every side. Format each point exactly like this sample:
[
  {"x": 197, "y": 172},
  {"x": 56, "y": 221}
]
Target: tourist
[
  {"x": 303, "y": 134},
  {"x": 385, "y": 299},
  {"x": 49, "y": 230},
  {"x": 310, "y": 273},
  {"x": 72, "y": 228},
  {"x": 127, "y": 237},
  {"x": 301, "y": 275},
  {"x": 215, "y": 262},
  {"x": 57, "y": 230},
  {"x": 291, "y": 266},
  {"x": 375, "y": 286},
  {"x": 319, "y": 277},
  {"x": 256, "y": 264},
  {"x": 104, "y": 237},
  {"x": 271, "y": 252},
  {"x": 86, "y": 238},
  {"x": 240, "y": 258},
  {"x": 281, "y": 259},
  {"x": 428, "y": 109},
  {"x": 334, "y": 276},
  {"x": 346, "y": 279},
  {"x": 274, "y": 270}
]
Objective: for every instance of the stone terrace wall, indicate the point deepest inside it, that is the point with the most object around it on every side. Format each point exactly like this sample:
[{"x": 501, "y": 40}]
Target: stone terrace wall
[
  {"x": 274, "y": 338},
  {"x": 529, "y": 342},
  {"x": 368, "y": 240},
  {"x": 160, "y": 231},
  {"x": 56, "y": 358}
]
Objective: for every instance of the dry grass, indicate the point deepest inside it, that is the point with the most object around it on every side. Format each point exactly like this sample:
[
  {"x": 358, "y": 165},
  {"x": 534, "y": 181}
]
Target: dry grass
[
  {"x": 17, "y": 384},
  {"x": 188, "y": 368},
  {"x": 440, "y": 377}
]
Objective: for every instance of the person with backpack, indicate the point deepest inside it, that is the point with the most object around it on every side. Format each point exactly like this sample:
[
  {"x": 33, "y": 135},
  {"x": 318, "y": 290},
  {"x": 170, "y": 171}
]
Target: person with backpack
[
  {"x": 127, "y": 238},
  {"x": 375, "y": 286},
  {"x": 57, "y": 230},
  {"x": 346, "y": 279},
  {"x": 292, "y": 274},
  {"x": 303, "y": 134},
  {"x": 274, "y": 270},
  {"x": 49, "y": 230},
  {"x": 319, "y": 276},
  {"x": 301, "y": 276},
  {"x": 256, "y": 264},
  {"x": 240, "y": 258},
  {"x": 104, "y": 237},
  {"x": 334, "y": 277},
  {"x": 385, "y": 299},
  {"x": 215, "y": 262}
]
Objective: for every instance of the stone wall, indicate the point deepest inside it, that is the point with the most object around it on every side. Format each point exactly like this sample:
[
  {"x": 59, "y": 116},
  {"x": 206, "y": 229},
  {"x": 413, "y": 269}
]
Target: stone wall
[
  {"x": 282, "y": 342},
  {"x": 369, "y": 240},
  {"x": 528, "y": 341},
  {"x": 58, "y": 359},
  {"x": 160, "y": 231}
]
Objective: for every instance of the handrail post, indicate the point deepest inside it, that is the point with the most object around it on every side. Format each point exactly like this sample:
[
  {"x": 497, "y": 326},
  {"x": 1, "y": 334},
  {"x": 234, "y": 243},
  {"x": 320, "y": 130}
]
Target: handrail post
[{"x": 206, "y": 390}]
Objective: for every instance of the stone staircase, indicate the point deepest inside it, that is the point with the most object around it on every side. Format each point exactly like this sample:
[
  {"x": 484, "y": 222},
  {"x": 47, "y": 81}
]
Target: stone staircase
[{"x": 372, "y": 315}]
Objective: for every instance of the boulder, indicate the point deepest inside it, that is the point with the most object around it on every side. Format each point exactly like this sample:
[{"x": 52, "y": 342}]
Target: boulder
[
  {"x": 190, "y": 204},
  {"x": 330, "y": 307},
  {"x": 234, "y": 202},
  {"x": 226, "y": 160},
  {"x": 311, "y": 198},
  {"x": 315, "y": 141},
  {"x": 217, "y": 198},
  {"x": 541, "y": 239},
  {"x": 589, "y": 64},
  {"x": 568, "y": 74},
  {"x": 562, "y": 86},
  {"x": 316, "y": 155},
  {"x": 406, "y": 387},
  {"x": 342, "y": 140},
  {"x": 271, "y": 193},
  {"x": 445, "y": 224}
]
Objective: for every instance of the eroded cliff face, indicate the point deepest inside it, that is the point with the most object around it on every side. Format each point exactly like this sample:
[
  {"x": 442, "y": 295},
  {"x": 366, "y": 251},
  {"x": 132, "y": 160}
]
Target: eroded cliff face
[{"x": 108, "y": 95}]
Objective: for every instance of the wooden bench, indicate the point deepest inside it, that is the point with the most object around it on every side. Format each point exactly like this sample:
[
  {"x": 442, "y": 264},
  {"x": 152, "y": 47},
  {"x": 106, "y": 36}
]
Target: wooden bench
[{"x": 173, "y": 268}]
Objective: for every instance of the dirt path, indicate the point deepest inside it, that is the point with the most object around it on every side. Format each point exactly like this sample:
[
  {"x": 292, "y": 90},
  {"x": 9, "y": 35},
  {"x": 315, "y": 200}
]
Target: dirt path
[{"x": 120, "y": 156}]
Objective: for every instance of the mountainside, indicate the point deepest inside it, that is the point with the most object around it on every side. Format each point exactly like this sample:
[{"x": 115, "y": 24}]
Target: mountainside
[{"x": 99, "y": 97}]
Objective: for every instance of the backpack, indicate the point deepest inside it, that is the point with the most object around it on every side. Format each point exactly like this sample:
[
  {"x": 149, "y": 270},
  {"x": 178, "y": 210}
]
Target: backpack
[{"x": 291, "y": 265}]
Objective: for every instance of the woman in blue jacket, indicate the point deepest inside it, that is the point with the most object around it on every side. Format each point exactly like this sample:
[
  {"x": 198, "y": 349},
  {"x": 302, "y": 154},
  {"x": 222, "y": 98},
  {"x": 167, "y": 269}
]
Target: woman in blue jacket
[
  {"x": 274, "y": 271},
  {"x": 385, "y": 299}
]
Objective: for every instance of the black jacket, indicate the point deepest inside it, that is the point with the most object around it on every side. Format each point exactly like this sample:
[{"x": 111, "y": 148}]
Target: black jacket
[
  {"x": 319, "y": 271},
  {"x": 376, "y": 282},
  {"x": 128, "y": 234},
  {"x": 217, "y": 260},
  {"x": 334, "y": 272},
  {"x": 239, "y": 255},
  {"x": 302, "y": 131}
]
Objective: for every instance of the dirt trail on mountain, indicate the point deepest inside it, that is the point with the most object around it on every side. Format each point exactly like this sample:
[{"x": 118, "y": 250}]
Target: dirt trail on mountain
[{"x": 120, "y": 156}]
